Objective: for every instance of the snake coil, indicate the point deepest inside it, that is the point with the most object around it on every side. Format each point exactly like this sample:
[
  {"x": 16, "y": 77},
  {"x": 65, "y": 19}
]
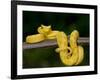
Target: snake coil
[{"x": 72, "y": 55}]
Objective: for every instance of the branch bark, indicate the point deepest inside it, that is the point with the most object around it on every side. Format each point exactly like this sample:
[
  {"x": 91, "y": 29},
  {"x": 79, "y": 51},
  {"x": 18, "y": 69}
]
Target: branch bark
[{"x": 48, "y": 43}]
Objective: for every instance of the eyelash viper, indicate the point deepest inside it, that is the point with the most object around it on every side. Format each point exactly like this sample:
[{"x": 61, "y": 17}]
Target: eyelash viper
[{"x": 70, "y": 55}]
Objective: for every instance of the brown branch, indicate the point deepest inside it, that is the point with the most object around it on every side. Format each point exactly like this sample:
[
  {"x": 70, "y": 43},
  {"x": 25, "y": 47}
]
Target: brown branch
[{"x": 47, "y": 43}]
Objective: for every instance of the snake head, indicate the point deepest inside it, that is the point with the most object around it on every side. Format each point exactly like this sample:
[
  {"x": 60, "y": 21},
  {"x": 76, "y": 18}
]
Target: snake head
[{"x": 44, "y": 29}]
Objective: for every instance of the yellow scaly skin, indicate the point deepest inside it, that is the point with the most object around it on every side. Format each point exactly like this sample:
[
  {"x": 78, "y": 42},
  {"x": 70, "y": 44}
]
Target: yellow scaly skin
[
  {"x": 73, "y": 44},
  {"x": 63, "y": 43},
  {"x": 75, "y": 54}
]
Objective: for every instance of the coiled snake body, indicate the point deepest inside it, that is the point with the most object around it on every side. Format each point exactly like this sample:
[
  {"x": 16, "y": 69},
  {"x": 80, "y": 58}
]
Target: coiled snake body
[{"x": 72, "y": 55}]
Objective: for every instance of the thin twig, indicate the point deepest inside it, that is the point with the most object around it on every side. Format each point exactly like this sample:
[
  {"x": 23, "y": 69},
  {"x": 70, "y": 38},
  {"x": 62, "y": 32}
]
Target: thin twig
[{"x": 47, "y": 43}]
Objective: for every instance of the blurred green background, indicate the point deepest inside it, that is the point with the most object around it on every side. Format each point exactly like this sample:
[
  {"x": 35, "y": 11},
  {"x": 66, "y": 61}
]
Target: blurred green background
[{"x": 67, "y": 22}]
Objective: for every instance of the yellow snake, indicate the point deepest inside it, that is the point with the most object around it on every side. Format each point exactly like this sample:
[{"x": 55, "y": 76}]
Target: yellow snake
[{"x": 70, "y": 55}]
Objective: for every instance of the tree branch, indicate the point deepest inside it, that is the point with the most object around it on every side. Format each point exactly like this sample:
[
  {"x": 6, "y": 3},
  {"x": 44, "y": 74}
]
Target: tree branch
[{"x": 47, "y": 43}]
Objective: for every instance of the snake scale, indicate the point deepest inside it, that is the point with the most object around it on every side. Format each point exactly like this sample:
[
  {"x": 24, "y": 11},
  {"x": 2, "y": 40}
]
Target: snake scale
[{"x": 71, "y": 54}]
